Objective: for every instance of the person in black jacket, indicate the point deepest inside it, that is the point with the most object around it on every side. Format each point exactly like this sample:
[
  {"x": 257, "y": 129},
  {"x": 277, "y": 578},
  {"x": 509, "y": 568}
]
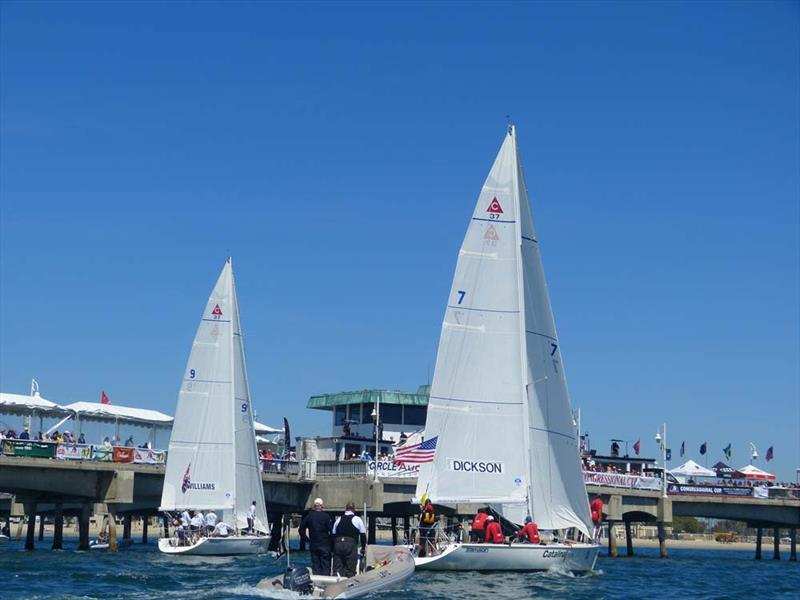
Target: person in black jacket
[
  {"x": 316, "y": 526},
  {"x": 348, "y": 530}
]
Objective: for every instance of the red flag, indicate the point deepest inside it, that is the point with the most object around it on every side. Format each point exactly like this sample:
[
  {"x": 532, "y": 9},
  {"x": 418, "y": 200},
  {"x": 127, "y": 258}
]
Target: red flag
[
  {"x": 104, "y": 399},
  {"x": 636, "y": 446}
]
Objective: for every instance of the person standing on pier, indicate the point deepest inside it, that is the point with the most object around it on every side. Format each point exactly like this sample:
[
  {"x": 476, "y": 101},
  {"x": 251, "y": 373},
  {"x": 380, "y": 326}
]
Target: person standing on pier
[
  {"x": 347, "y": 531},
  {"x": 317, "y": 527}
]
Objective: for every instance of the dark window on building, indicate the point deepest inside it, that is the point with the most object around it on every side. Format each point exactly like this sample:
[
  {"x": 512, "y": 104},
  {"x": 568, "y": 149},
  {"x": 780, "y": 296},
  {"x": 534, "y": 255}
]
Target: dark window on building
[
  {"x": 366, "y": 413},
  {"x": 415, "y": 415},
  {"x": 392, "y": 413},
  {"x": 339, "y": 414},
  {"x": 355, "y": 412},
  {"x": 350, "y": 450}
]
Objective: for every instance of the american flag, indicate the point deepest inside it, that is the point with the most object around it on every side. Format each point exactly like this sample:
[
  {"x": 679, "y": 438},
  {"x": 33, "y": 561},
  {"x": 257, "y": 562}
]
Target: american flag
[{"x": 416, "y": 453}]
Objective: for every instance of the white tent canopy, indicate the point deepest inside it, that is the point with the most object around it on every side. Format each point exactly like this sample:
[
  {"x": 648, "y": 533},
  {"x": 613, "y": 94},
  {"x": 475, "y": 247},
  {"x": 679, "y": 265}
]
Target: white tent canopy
[
  {"x": 692, "y": 469},
  {"x": 262, "y": 429},
  {"x": 751, "y": 472},
  {"x": 95, "y": 411},
  {"x": 19, "y": 404}
]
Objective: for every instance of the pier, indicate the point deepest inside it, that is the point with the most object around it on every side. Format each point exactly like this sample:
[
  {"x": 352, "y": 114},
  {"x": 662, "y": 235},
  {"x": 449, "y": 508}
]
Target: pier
[{"x": 58, "y": 488}]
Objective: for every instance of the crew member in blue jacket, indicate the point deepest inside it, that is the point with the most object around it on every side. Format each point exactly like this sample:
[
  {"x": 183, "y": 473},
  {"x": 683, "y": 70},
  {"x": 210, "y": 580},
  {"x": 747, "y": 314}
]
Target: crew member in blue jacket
[{"x": 316, "y": 526}]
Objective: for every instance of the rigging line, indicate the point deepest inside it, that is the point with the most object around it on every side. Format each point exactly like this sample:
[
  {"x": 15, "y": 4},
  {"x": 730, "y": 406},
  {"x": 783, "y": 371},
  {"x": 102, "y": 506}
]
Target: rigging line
[
  {"x": 476, "y": 401},
  {"x": 492, "y": 310},
  {"x": 566, "y": 435},
  {"x": 492, "y": 220},
  {"x": 544, "y": 335}
]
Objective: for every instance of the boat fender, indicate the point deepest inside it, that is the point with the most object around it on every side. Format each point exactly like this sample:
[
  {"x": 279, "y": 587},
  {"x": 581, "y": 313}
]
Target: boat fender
[{"x": 298, "y": 580}]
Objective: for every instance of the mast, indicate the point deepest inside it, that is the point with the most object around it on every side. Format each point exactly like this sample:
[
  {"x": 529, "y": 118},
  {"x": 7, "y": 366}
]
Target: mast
[
  {"x": 523, "y": 350},
  {"x": 231, "y": 370}
]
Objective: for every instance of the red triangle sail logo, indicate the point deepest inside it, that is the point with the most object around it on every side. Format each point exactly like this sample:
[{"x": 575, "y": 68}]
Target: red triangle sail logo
[
  {"x": 494, "y": 206},
  {"x": 217, "y": 312}
]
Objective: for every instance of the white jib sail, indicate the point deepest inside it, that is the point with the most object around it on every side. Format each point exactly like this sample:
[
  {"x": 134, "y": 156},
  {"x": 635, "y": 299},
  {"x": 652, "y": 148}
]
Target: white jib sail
[
  {"x": 476, "y": 406},
  {"x": 211, "y": 454},
  {"x": 558, "y": 493}
]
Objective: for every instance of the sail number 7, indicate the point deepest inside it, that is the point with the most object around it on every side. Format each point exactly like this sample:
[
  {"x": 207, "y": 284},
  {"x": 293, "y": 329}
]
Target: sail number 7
[{"x": 461, "y": 294}]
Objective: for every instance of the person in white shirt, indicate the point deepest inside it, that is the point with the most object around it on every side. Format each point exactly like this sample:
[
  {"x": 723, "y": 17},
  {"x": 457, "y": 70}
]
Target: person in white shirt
[
  {"x": 211, "y": 520},
  {"x": 348, "y": 530},
  {"x": 222, "y": 529},
  {"x": 251, "y": 518},
  {"x": 198, "y": 522},
  {"x": 185, "y": 518}
]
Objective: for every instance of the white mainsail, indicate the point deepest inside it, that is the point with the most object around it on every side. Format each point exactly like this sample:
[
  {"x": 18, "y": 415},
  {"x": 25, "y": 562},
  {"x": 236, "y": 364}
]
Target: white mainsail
[
  {"x": 213, "y": 458},
  {"x": 499, "y": 402}
]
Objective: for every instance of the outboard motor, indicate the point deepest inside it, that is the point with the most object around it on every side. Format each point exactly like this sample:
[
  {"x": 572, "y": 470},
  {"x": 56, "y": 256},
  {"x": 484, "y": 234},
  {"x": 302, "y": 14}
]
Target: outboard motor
[{"x": 298, "y": 580}]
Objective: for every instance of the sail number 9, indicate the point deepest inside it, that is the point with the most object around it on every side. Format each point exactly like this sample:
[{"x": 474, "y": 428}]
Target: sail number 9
[{"x": 192, "y": 373}]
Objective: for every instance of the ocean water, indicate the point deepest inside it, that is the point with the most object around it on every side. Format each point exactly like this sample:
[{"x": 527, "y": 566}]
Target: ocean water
[{"x": 141, "y": 572}]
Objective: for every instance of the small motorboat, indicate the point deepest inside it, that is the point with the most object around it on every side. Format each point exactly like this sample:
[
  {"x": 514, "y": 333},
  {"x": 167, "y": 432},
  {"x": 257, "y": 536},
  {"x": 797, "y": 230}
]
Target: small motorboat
[
  {"x": 384, "y": 566},
  {"x": 102, "y": 544}
]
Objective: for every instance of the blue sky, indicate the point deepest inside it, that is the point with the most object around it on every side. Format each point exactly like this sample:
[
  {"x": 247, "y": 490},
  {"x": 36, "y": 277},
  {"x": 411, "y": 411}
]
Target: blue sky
[{"x": 336, "y": 152}]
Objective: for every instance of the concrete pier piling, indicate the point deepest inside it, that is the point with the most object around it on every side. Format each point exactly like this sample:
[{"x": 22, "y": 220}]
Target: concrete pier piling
[
  {"x": 628, "y": 538},
  {"x": 83, "y": 526},
  {"x": 662, "y": 541},
  {"x": 126, "y": 527},
  {"x": 145, "y": 523},
  {"x": 776, "y": 543},
  {"x": 30, "y": 511},
  {"x": 371, "y": 529},
  {"x": 58, "y": 527},
  {"x": 793, "y": 544},
  {"x": 759, "y": 533},
  {"x": 407, "y": 528},
  {"x": 393, "y": 522},
  {"x": 612, "y": 540},
  {"x": 112, "y": 532},
  {"x": 41, "y": 528}
]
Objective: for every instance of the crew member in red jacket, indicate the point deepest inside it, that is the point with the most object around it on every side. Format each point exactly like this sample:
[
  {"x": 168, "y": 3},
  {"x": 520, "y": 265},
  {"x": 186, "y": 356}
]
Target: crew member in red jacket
[
  {"x": 597, "y": 515},
  {"x": 529, "y": 533},
  {"x": 478, "y": 531},
  {"x": 494, "y": 533}
]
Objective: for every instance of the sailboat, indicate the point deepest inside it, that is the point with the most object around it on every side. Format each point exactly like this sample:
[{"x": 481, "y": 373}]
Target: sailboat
[
  {"x": 499, "y": 403},
  {"x": 213, "y": 459}
]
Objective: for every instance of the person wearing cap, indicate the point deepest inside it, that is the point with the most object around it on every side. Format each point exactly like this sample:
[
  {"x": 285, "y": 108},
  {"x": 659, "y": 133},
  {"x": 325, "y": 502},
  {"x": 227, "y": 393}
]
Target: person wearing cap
[
  {"x": 316, "y": 526},
  {"x": 348, "y": 530},
  {"x": 529, "y": 533},
  {"x": 494, "y": 533},
  {"x": 25, "y": 435}
]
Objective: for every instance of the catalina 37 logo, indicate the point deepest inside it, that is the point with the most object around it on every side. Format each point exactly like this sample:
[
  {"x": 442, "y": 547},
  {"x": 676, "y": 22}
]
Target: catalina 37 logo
[
  {"x": 189, "y": 485},
  {"x": 474, "y": 466}
]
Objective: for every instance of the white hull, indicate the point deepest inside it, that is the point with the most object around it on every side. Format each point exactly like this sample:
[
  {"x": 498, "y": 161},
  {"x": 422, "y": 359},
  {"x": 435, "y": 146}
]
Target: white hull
[
  {"x": 515, "y": 557},
  {"x": 397, "y": 567},
  {"x": 228, "y": 546},
  {"x": 4, "y": 539}
]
